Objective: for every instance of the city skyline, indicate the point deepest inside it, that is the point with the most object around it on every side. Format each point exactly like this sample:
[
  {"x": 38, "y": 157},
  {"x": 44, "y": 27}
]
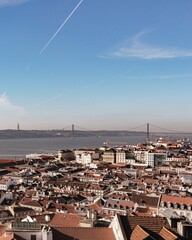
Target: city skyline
[{"x": 96, "y": 64}]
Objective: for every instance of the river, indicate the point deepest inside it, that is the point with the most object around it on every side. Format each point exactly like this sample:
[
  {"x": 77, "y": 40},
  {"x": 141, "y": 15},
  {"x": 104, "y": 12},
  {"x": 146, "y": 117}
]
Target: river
[{"x": 18, "y": 148}]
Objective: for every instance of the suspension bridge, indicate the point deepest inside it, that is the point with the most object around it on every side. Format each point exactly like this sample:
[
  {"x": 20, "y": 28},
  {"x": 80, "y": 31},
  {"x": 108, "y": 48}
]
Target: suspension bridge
[{"x": 147, "y": 128}]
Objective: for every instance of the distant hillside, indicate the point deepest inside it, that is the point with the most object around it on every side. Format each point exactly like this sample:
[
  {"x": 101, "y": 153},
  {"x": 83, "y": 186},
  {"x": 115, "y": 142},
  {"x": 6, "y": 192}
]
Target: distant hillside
[{"x": 14, "y": 134}]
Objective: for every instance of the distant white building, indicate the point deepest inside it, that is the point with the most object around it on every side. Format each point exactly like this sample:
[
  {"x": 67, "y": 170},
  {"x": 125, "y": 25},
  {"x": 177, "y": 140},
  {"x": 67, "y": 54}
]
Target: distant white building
[
  {"x": 121, "y": 156},
  {"x": 92, "y": 165},
  {"x": 33, "y": 156},
  {"x": 177, "y": 159},
  {"x": 109, "y": 156},
  {"x": 186, "y": 178},
  {"x": 15, "y": 179},
  {"x": 5, "y": 183},
  {"x": 140, "y": 155},
  {"x": 31, "y": 231},
  {"x": 154, "y": 159},
  {"x": 84, "y": 158}
]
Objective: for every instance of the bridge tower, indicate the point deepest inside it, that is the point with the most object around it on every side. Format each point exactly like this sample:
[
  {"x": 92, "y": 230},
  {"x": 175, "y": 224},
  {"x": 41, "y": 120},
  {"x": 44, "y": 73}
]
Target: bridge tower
[
  {"x": 148, "y": 132},
  {"x": 73, "y": 131}
]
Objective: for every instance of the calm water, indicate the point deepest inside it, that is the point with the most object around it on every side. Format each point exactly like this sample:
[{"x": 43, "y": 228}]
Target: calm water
[{"x": 18, "y": 148}]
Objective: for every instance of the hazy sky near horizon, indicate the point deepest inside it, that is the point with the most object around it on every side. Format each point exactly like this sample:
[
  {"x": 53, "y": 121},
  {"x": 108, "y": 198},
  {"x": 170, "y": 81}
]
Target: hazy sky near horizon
[{"x": 98, "y": 64}]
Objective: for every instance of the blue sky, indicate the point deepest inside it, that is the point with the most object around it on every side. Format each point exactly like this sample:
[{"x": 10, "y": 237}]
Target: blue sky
[{"x": 98, "y": 64}]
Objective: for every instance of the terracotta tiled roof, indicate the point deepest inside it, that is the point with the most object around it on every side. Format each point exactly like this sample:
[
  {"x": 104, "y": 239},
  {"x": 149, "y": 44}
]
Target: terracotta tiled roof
[
  {"x": 142, "y": 199},
  {"x": 44, "y": 202},
  {"x": 69, "y": 208},
  {"x": 32, "y": 203},
  {"x": 25, "y": 200},
  {"x": 96, "y": 187},
  {"x": 95, "y": 207},
  {"x": 7, "y": 161},
  {"x": 65, "y": 220},
  {"x": 145, "y": 211},
  {"x": 139, "y": 167},
  {"x": 174, "y": 199},
  {"x": 31, "y": 192},
  {"x": 43, "y": 218},
  {"x": 83, "y": 233},
  {"x": 150, "y": 181},
  {"x": 2, "y": 230},
  {"x": 4, "y": 180},
  {"x": 8, "y": 237},
  {"x": 126, "y": 203},
  {"x": 142, "y": 214},
  {"x": 139, "y": 234},
  {"x": 166, "y": 234},
  {"x": 119, "y": 203},
  {"x": 15, "y": 170},
  {"x": 118, "y": 196},
  {"x": 142, "y": 209},
  {"x": 152, "y": 225}
]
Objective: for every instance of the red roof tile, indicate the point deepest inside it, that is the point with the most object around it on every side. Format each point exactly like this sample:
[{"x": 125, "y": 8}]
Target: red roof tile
[
  {"x": 174, "y": 199},
  {"x": 7, "y": 237},
  {"x": 79, "y": 233},
  {"x": 166, "y": 234},
  {"x": 65, "y": 220},
  {"x": 150, "y": 224},
  {"x": 95, "y": 207},
  {"x": 138, "y": 234},
  {"x": 2, "y": 229}
]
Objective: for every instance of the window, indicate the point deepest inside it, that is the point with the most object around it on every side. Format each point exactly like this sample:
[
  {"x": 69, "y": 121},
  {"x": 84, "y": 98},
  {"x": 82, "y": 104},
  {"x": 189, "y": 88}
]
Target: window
[{"x": 33, "y": 237}]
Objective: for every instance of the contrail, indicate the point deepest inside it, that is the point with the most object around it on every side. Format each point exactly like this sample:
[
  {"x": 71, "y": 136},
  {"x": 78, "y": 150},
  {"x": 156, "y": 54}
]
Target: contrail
[
  {"x": 59, "y": 29},
  {"x": 50, "y": 100},
  {"x": 3, "y": 95}
]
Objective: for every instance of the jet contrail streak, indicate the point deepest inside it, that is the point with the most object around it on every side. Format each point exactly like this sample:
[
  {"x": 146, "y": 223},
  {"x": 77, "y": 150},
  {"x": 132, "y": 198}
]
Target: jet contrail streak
[
  {"x": 59, "y": 29},
  {"x": 3, "y": 95},
  {"x": 50, "y": 100}
]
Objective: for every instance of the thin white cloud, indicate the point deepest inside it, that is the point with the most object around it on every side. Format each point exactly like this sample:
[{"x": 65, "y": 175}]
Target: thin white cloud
[
  {"x": 5, "y": 104},
  {"x": 135, "y": 48},
  {"x": 12, "y": 2},
  {"x": 171, "y": 77},
  {"x": 50, "y": 100},
  {"x": 93, "y": 84}
]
